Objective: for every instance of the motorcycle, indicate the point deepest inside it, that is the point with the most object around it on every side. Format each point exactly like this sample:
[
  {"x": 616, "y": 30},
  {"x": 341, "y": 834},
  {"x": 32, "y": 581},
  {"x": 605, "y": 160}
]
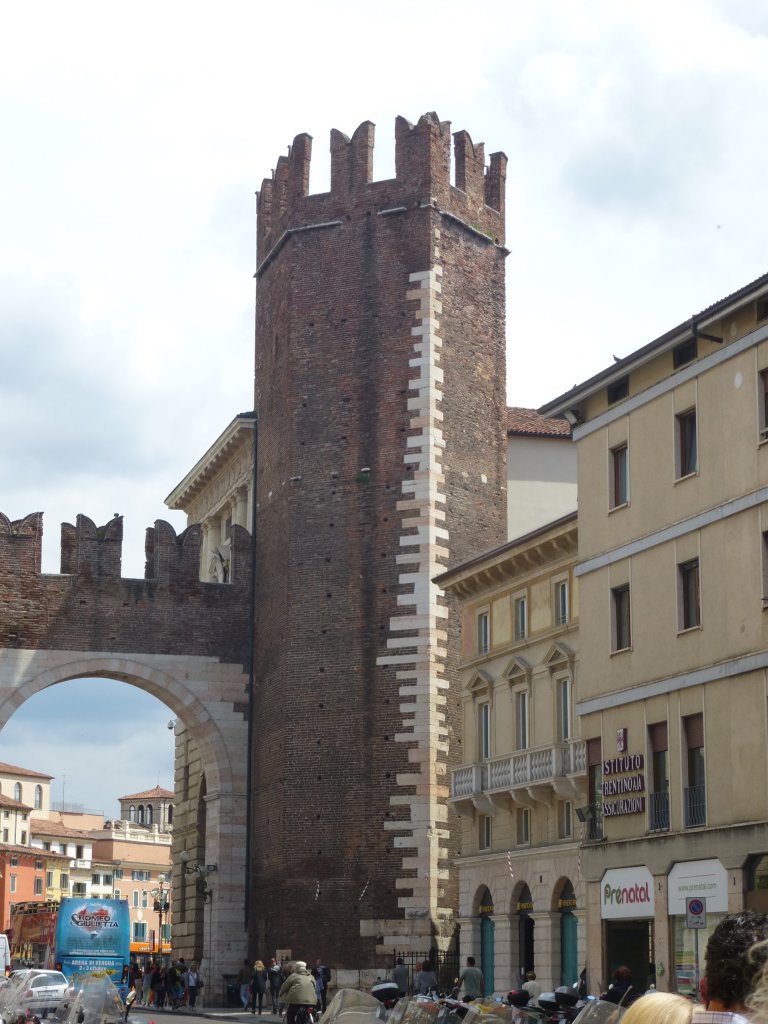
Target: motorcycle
[{"x": 387, "y": 994}]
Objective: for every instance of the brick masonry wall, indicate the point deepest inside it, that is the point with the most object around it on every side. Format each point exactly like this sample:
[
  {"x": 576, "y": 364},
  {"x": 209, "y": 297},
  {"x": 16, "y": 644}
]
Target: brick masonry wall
[
  {"x": 91, "y": 607},
  {"x": 333, "y": 352}
]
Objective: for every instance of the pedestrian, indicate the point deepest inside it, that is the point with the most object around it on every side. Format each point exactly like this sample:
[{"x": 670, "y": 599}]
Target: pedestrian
[
  {"x": 258, "y": 985},
  {"x": 659, "y": 1008},
  {"x": 400, "y": 977},
  {"x": 244, "y": 981},
  {"x": 193, "y": 983},
  {"x": 298, "y": 990},
  {"x": 322, "y": 976},
  {"x": 275, "y": 975},
  {"x": 532, "y": 987},
  {"x": 146, "y": 981},
  {"x": 472, "y": 981},
  {"x": 424, "y": 980},
  {"x": 621, "y": 991},
  {"x": 736, "y": 956}
]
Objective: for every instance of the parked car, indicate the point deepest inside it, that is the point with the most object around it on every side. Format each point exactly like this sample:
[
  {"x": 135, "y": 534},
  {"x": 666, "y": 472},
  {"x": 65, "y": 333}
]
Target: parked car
[{"x": 36, "y": 991}]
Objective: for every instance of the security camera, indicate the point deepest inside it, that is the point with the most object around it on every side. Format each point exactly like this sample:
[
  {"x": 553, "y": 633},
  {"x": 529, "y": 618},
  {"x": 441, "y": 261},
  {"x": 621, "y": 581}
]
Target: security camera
[{"x": 172, "y": 724}]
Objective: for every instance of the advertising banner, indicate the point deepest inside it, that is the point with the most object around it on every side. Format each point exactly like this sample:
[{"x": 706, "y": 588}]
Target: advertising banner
[
  {"x": 627, "y": 893},
  {"x": 702, "y": 878}
]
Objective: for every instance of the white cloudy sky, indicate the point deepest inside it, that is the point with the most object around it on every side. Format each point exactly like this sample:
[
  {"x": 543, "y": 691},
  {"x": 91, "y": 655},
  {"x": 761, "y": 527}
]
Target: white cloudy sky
[{"x": 133, "y": 140}]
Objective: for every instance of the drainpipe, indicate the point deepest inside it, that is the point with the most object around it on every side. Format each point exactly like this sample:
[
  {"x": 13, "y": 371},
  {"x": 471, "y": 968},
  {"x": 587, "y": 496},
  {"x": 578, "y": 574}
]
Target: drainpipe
[{"x": 251, "y": 677}]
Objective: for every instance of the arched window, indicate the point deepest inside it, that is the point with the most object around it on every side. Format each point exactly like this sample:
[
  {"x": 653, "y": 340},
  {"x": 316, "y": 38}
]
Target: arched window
[
  {"x": 17, "y": 792},
  {"x": 149, "y": 814},
  {"x": 132, "y": 813},
  {"x": 170, "y": 814},
  {"x": 141, "y": 814},
  {"x": 38, "y": 797}
]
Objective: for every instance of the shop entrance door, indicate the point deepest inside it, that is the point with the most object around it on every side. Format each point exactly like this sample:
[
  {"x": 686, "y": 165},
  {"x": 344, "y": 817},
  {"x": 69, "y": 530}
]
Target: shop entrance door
[
  {"x": 486, "y": 953},
  {"x": 630, "y": 944},
  {"x": 569, "y": 971}
]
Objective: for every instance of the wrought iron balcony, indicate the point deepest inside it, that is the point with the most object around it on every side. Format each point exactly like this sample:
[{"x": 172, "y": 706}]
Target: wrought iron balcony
[
  {"x": 527, "y": 776},
  {"x": 658, "y": 811},
  {"x": 694, "y": 806}
]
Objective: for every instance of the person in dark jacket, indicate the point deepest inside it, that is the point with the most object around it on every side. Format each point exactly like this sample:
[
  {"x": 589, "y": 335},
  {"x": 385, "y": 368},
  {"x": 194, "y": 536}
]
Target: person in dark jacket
[
  {"x": 622, "y": 991},
  {"x": 275, "y": 977},
  {"x": 258, "y": 985}
]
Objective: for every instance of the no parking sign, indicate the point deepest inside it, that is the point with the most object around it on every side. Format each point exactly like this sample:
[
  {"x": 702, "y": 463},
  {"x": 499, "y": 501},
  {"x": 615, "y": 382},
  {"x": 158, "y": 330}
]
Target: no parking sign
[{"x": 696, "y": 912}]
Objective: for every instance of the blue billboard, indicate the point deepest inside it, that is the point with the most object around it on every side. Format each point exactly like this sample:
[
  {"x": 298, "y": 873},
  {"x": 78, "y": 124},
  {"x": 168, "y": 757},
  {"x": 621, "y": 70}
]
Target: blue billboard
[{"x": 94, "y": 936}]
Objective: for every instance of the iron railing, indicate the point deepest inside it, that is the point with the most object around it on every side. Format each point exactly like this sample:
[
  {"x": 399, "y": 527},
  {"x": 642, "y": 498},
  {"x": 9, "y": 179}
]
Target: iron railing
[
  {"x": 695, "y": 806},
  {"x": 445, "y": 963},
  {"x": 658, "y": 811}
]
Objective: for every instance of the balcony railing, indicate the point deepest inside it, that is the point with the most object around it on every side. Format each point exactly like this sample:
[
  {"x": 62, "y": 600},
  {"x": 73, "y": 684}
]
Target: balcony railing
[
  {"x": 538, "y": 766},
  {"x": 658, "y": 811},
  {"x": 695, "y": 806}
]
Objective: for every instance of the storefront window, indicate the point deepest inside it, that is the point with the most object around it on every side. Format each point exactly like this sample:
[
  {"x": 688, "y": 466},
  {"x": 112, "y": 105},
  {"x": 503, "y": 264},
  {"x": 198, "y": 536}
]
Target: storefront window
[{"x": 686, "y": 973}]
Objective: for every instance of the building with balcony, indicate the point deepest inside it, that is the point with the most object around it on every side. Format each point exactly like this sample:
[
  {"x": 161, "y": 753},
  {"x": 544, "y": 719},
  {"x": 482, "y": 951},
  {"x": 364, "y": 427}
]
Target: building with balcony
[
  {"x": 523, "y": 769},
  {"x": 140, "y": 860},
  {"x": 672, "y": 450},
  {"x": 53, "y": 836}
]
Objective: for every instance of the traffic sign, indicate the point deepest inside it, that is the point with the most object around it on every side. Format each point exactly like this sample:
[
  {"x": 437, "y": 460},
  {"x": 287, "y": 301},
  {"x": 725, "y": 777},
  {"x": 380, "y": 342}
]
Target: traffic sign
[{"x": 696, "y": 912}]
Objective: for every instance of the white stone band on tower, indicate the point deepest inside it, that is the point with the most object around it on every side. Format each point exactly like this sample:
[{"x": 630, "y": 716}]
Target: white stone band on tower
[{"x": 421, "y": 669}]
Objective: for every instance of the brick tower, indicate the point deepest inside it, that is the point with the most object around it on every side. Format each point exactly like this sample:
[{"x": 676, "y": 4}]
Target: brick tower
[{"x": 380, "y": 394}]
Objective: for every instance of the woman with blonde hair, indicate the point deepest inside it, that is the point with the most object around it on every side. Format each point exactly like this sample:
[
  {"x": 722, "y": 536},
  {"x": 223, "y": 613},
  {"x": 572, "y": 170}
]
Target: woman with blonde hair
[{"x": 659, "y": 1008}]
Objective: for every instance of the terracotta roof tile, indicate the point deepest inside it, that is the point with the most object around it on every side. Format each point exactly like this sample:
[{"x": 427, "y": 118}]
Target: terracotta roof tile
[
  {"x": 50, "y": 827},
  {"x": 158, "y": 793},
  {"x": 530, "y": 423},
  {"x": 12, "y": 769}
]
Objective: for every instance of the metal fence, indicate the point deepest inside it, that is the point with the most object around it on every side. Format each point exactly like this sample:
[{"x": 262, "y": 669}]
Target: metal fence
[{"x": 445, "y": 964}]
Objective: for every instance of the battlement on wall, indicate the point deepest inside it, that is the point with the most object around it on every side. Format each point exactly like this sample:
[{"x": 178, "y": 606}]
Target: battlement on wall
[
  {"x": 94, "y": 551},
  {"x": 422, "y": 176}
]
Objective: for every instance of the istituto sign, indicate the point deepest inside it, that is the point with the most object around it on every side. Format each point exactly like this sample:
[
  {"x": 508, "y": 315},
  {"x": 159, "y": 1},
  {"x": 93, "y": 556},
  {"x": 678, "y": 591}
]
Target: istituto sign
[{"x": 626, "y": 893}]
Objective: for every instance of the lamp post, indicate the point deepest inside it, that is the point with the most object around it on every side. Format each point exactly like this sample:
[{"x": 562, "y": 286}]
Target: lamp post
[
  {"x": 200, "y": 872},
  {"x": 161, "y": 906}
]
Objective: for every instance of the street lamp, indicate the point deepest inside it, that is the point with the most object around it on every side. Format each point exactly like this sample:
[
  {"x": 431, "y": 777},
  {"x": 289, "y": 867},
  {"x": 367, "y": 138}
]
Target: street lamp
[
  {"x": 161, "y": 906},
  {"x": 200, "y": 872}
]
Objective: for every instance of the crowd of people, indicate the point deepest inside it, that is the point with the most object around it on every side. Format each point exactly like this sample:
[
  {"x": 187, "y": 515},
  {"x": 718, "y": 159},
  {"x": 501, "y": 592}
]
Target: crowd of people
[
  {"x": 166, "y": 986},
  {"x": 284, "y": 986}
]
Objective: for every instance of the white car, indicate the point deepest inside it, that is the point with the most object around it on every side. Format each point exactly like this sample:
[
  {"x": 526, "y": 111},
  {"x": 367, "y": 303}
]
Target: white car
[{"x": 39, "y": 992}]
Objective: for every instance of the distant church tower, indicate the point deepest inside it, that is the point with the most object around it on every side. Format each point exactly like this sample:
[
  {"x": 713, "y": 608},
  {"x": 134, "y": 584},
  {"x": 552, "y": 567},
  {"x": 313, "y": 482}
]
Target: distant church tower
[{"x": 380, "y": 396}]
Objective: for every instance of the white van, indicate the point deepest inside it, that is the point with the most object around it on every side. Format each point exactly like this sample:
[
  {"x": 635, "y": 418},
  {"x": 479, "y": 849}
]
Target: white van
[{"x": 5, "y": 955}]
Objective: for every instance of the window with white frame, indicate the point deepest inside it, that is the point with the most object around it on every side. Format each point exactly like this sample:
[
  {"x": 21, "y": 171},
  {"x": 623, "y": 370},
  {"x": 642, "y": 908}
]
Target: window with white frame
[
  {"x": 521, "y": 616},
  {"x": 689, "y": 598},
  {"x": 686, "y": 453},
  {"x": 483, "y": 632},
  {"x": 13, "y": 883},
  {"x": 484, "y": 727},
  {"x": 564, "y": 819},
  {"x": 144, "y": 898},
  {"x": 564, "y": 695},
  {"x": 139, "y": 931},
  {"x": 38, "y": 797},
  {"x": 523, "y": 826},
  {"x": 49, "y": 879},
  {"x": 484, "y": 838},
  {"x": 17, "y": 792},
  {"x": 38, "y": 887},
  {"x": 562, "y": 610},
  {"x": 619, "y": 474},
  {"x": 135, "y": 897},
  {"x": 522, "y": 724}
]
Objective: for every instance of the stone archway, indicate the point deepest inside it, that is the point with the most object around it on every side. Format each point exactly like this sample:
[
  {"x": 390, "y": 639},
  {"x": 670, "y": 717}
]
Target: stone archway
[{"x": 184, "y": 642}]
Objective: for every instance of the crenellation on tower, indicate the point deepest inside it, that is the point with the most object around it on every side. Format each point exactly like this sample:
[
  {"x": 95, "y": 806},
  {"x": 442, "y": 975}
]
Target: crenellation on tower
[
  {"x": 299, "y": 158},
  {"x": 92, "y": 550},
  {"x": 21, "y": 543},
  {"x": 422, "y": 179}
]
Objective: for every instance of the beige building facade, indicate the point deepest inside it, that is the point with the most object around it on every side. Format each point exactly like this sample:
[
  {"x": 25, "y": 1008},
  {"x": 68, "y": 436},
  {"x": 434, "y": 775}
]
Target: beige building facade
[
  {"x": 673, "y": 694},
  {"x": 522, "y": 770}
]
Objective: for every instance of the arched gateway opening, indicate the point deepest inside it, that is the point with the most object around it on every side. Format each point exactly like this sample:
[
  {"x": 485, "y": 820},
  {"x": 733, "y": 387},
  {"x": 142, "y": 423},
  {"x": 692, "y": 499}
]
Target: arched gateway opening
[{"x": 182, "y": 641}]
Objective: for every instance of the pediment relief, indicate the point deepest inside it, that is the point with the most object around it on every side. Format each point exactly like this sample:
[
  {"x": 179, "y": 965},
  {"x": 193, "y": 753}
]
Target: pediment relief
[
  {"x": 559, "y": 656},
  {"x": 480, "y": 682},
  {"x": 518, "y": 670}
]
